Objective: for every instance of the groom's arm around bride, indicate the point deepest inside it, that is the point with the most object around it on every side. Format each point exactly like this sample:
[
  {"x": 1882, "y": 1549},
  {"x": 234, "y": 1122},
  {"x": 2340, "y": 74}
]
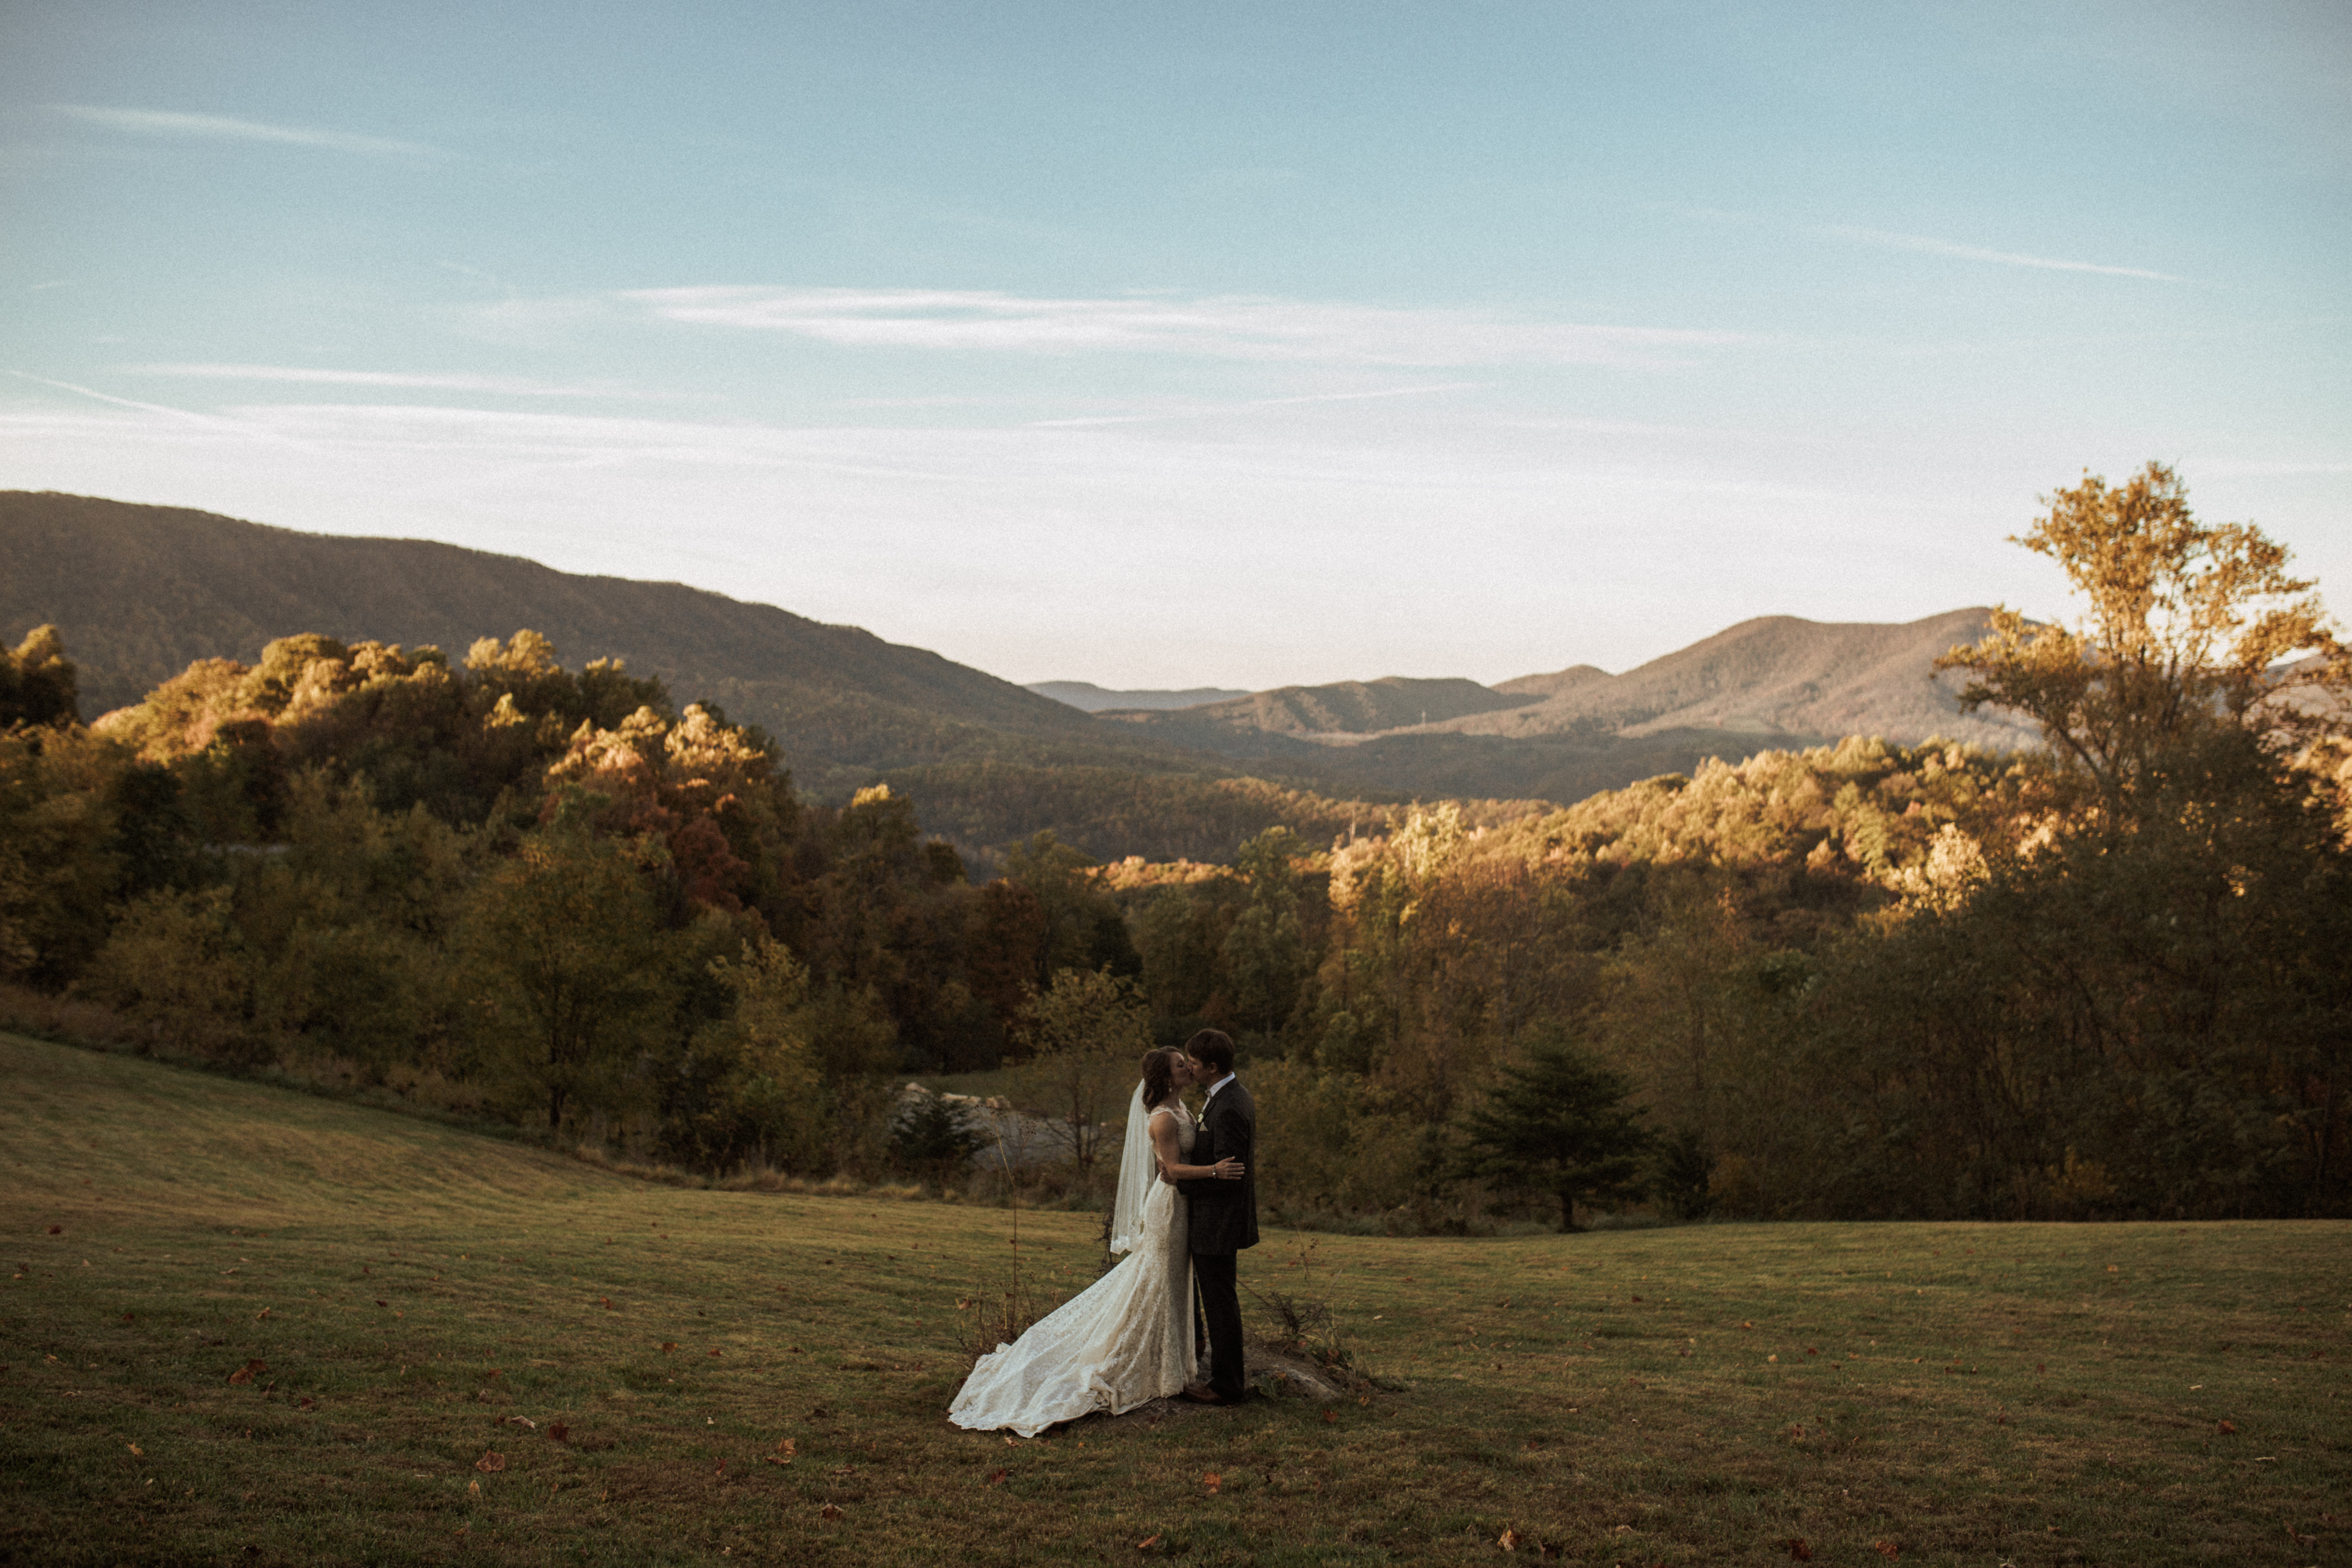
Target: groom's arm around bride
[{"x": 1223, "y": 1213}]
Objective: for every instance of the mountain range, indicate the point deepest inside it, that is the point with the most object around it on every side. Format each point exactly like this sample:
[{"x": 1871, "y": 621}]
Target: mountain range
[
  {"x": 140, "y": 592},
  {"x": 1776, "y": 679},
  {"x": 1088, "y": 697}
]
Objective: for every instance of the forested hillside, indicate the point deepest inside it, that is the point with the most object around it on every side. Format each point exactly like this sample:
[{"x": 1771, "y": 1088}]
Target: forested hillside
[
  {"x": 2100, "y": 978},
  {"x": 140, "y": 592}
]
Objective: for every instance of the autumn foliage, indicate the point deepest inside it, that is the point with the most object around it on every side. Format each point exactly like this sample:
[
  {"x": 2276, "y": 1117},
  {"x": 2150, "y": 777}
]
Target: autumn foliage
[{"x": 2098, "y": 979}]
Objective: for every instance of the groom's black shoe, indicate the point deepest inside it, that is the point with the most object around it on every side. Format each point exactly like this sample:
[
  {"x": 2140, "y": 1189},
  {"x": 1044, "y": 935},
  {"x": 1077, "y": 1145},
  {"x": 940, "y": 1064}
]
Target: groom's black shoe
[{"x": 1202, "y": 1393}]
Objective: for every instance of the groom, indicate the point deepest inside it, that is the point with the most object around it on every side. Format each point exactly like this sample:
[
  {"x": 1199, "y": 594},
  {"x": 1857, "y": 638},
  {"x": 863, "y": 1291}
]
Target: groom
[{"x": 1223, "y": 1213}]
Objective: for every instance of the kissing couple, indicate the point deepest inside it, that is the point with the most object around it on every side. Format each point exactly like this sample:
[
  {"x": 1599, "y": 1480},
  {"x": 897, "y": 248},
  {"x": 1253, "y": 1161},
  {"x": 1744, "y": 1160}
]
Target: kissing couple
[{"x": 1187, "y": 1206}]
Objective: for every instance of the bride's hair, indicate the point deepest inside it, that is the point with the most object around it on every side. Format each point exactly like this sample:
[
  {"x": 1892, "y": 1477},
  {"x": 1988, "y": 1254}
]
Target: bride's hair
[{"x": 1158, "y": 1075}]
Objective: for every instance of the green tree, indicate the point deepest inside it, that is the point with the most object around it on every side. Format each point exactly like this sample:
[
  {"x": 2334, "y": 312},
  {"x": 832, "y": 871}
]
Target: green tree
[
  {"x": 751, "y": 1085},
  {"x": 933, "y": 1136},
  {"x": 561, "y": 942},
  {"x": 60, "y": 851},
  {"x": 1558, "y": 1124},
  {"x": 1265, "y": 954},
  {"x": 176, "y": 965},
  {"x": 37, "y": 682},
  {"x": 1083, "y": 929},
  {"x": 1084, "y": 1034}
]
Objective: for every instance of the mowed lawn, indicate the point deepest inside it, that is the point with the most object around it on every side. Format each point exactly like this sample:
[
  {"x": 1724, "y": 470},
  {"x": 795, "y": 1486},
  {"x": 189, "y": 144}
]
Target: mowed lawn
[{"x": 412, "y": 1295}]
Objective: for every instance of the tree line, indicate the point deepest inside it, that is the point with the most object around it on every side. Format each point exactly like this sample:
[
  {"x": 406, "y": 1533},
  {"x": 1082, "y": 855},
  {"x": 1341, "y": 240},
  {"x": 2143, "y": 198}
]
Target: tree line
[{"x": 2099, "y": 979}]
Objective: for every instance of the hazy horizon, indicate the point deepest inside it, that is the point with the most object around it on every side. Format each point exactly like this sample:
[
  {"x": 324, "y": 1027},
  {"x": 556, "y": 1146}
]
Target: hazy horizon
[{"x": 1238, "y": 346}]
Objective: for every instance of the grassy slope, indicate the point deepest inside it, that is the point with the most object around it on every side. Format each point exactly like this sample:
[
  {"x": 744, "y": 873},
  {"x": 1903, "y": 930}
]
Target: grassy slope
[{"x": 1602, "y": 1393}]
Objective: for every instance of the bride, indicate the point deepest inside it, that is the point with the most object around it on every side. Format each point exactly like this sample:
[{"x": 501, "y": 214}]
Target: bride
[{"x": 1127, "y": 1338}]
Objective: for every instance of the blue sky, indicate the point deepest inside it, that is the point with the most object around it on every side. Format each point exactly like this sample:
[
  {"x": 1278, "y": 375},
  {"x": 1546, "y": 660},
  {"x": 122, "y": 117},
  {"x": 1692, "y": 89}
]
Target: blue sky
[{"x": 1188, "y": 344}]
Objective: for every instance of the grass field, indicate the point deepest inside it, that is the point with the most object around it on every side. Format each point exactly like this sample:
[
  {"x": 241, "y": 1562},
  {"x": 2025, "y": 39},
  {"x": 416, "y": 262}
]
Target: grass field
[{"x": 406, "y": 1294}]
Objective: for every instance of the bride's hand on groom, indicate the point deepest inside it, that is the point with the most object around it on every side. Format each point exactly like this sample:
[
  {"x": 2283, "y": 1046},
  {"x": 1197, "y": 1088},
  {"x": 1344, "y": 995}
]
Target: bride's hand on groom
[{"x": 1229, "y": 1170}]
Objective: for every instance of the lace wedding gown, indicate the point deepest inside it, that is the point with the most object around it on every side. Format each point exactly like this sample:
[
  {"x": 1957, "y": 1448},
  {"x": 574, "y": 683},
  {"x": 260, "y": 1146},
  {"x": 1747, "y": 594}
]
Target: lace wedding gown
[{"x": 1124, "y": 1339}]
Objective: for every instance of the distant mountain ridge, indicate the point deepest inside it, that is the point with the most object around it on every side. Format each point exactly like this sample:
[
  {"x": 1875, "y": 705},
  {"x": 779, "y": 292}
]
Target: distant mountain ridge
[
  {"x": 1776, "y": 675},
  {"x": 1777, "y": 680},
  {"x": 1341, "y": 708},
  {"x": 1088, "y": 697}
]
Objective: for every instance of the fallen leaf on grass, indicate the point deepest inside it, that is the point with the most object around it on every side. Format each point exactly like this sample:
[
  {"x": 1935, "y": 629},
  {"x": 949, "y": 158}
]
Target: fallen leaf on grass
[
  {"x": 1330, "y": 1417},
  {"x": 491, "y": 1463},
  {"x": 1212, "y": 1481},
  {"x": 126, "y": 1317},
  {"x": 1886, "y": 1549},
  {"x": 262, "y": 1314},
  {"x": 558, "y": 1432},
  {"x": 473, "y": 1488},
  {"x": 1147, "y": 1544},
  {"x": 714, "y": 1352},
  {"x": 1508, "y": 1541},
  {"x": 830, "y": 1510},
  {"x": 1798, "y": 1549},
  {"x": 668, "y": 1345},
  {"x": 56, "y": 1230},
  {"x": 2228, "y": 1428},
  {"x": 138, "y": 1453},
  {"x": 242, "y": 1374},
  {"x": 384, "y": 1303},
  {"x": 995, "y": 1477}
]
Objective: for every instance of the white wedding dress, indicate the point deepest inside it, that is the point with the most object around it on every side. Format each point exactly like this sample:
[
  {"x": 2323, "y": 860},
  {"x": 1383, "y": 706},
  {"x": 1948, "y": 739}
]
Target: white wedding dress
[{"x": 1123, "y": 1340}]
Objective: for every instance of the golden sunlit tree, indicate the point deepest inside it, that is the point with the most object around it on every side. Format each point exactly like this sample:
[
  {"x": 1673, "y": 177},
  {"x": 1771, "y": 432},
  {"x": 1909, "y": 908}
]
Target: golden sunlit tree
[{"x": 2187, "y": 625}]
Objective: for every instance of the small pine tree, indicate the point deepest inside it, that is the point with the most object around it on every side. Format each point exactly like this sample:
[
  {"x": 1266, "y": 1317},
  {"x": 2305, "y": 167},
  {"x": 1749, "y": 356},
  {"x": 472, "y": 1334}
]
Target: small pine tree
[
  {"x": 933, "y": 1137},
  {"x": 1560, "y": 1125}
]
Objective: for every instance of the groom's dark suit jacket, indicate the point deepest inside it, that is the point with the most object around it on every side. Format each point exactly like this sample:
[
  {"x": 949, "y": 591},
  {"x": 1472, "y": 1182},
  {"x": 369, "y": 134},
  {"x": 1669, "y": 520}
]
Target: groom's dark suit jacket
[{"x": 1225, "y": 1214}]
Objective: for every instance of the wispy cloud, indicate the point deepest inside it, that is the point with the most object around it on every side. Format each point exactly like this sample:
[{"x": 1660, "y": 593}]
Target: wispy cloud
[
  {"x": 1222, "y": 327},
  {"x": 1212, "y": 411},
  {"x": 2258, "y": 468},
  {"x": 1931, "y": 247},
  {"x": 236, "y": 428},
  {"x": 182, "y": 126},
  {"x": 305, "y": 375}
]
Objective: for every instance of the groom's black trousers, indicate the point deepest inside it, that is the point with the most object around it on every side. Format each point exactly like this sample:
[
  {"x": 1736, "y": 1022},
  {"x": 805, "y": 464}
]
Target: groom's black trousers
[{"x": 1220, "y": 1280}]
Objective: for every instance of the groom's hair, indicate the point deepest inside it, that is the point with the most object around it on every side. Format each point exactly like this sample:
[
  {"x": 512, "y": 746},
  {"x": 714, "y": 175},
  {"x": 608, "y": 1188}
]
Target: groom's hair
[{"x": 1212, "y": 1048}]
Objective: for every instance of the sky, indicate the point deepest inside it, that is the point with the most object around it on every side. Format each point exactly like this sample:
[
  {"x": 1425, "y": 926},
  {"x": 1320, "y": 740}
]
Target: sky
[{"x": 1194, "y": 344}]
